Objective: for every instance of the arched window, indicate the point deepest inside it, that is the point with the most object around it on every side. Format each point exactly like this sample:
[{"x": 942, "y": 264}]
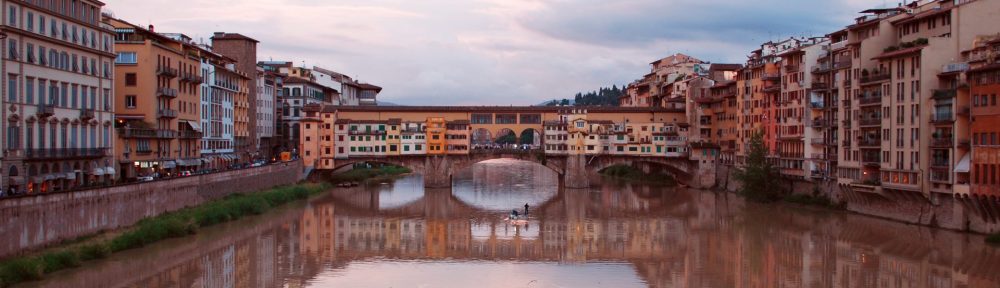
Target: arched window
[{"x": 12, "y": 171}]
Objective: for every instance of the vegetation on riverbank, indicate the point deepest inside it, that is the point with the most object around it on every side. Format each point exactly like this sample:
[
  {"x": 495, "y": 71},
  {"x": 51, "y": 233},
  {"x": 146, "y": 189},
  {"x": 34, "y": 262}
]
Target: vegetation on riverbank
[
  {"x": 633, "y": 174},
  {"x": 758, "y": 175},
  {"x": 359, "y": 174},
  {"x": 814, "y": 200},
  {"x": 168, "y": 225},
  {"x": 993, "y": 239}
]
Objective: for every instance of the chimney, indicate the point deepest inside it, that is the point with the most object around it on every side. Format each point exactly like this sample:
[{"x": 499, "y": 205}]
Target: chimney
[{"x": 151, "y": 28}]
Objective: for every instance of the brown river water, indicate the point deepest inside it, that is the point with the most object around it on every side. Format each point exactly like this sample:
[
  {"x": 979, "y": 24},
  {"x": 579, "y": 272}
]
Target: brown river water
[{"x": 399, "y": 234}]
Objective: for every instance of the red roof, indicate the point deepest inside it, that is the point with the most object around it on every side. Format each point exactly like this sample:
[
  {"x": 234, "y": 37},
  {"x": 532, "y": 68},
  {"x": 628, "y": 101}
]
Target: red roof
[
  {"x": 232, "y": 36},
  {"x": 899, "y": 52}
]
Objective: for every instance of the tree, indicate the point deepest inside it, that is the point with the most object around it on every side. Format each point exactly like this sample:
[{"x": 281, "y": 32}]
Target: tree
[
  {"x": 564, "y": 102},
  {"x": 758, "y": 175}
]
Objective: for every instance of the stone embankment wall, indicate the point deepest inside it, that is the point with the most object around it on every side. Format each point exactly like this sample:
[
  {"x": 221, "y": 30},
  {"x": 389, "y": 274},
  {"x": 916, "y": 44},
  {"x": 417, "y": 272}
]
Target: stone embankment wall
[
  {"x": 35, "y": 221},
  {"x": 940, "y": 211}
]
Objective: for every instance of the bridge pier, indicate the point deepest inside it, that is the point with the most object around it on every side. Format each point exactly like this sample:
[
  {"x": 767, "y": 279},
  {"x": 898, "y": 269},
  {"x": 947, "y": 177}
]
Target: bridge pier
[
  {"x": 575, "y": 172},
  {"x": 437, "y": 171}
]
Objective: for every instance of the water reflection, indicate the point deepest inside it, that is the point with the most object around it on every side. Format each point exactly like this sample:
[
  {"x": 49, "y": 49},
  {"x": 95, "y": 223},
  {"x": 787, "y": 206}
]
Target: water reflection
[{"x": 614, "y": 236}]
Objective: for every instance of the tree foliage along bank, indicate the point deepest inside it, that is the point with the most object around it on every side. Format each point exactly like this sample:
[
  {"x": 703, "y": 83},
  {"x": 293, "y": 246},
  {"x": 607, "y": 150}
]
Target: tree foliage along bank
[{"x": 602, "y": 97}]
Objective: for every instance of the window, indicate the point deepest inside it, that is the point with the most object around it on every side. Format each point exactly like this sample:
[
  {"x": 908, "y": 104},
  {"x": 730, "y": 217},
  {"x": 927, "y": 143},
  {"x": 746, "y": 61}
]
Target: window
[
  {"x": 41, "y": 24},
  {"x": 41, "y": 56},
  {"x": 126, "y": 58},
  {"x": 29, "y": 90},
  {"x": 31, "y": 21},
  {"x": 130, "y": 101},
  {"x": 12, "y": 87},
  {"x": 12, "y": 16},
  {"x": 130, "y": 79},
  {"x": 30, "y": 49},
  {"x": 12, "y": 49}
]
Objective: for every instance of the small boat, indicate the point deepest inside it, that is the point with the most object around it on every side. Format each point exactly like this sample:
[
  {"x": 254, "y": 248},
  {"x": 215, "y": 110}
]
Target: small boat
[{"x": 516, "y": 222}]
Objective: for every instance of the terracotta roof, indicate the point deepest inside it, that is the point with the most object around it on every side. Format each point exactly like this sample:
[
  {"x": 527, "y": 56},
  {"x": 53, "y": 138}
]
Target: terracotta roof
[
  {"x": 232, "y": 36},
  {"x": 726, "y": 67},
  {"x": 366, "y": 86},
  {"x": 922, "y": 15}
]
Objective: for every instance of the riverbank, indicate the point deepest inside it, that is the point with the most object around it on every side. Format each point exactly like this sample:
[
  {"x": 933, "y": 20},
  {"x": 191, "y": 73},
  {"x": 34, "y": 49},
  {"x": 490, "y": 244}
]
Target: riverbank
[
  {"x": 355, "y": 175},
  {"x": 632, "y": 174},
  {"x": 179, "y": 223}
]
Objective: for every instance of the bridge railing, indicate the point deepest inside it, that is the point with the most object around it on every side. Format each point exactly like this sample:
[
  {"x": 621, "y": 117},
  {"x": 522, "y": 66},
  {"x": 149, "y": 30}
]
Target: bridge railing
[{"x": 505, "y": 151}]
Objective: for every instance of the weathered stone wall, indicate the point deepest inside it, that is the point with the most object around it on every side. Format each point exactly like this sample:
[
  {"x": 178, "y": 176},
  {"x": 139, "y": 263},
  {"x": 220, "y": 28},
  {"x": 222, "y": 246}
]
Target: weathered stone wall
[
  {"x": 36, "y": 221},
  {"x": 941, "y": 211}
]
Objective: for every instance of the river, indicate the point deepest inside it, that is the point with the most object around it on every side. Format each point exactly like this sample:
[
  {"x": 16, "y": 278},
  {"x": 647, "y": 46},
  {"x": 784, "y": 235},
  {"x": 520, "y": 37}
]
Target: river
[{"x": 398, "y": 234}]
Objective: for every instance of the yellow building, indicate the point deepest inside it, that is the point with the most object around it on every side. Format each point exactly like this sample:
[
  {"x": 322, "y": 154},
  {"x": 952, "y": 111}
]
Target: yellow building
[{"x": 436, "y": 132}]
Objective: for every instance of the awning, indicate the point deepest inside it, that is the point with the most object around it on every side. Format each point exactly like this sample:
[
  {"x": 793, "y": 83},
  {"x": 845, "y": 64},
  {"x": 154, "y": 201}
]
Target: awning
[
  {"x": 168, "y": 164},
  {"x": 194, "y": 125},
  {"x": 109, "y": 170},
  {"x": 189, "y": 162},
  {"x": 963, "y": 165},
  {"x": 97, "y": 171},
  {"x": 55, "y": 176},
  {"x": 38, "y": 179},
  {"x": 70, "y": 176}
]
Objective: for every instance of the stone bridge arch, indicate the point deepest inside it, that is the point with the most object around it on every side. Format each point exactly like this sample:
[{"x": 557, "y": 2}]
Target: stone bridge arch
[{"x": 681, "y": 168}]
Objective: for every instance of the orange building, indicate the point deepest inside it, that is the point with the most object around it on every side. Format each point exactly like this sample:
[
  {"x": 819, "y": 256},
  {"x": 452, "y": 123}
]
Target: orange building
[
  {"x": 156, "y": 110},
  {"x": 436, "y": 136},
  {"x": 984, "y": 80}
]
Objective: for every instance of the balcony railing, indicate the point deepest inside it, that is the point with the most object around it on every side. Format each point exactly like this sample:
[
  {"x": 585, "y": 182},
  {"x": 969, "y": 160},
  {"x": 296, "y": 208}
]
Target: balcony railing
[
  {"x": 944, "y": 93},
  {"x": 166, "y": 71},
  {"x": 817, "y": 105},
  {"x": 942, "y": 118},
  {"x": 869, "y": 143},
  {"x": 818, "y": 141},
  {"x": 166, "y": 134},
  {"x": 191, "y": 77},
  {"x": 65, "y": 153},
  {"x": 954, "y": 68},
  {"x": 940, "y": 163},
  {"x": 166, "y": 113},
  {"x": 842, "y": 64},
  {"x": 822, "y": 68},
  {"x": 771, "y": 76},
  {"x": 770, "y": 88},
  {"x": 870, "y": 100},
  {"x": 944, "y": 142},
  {"x": 871, "y": 122},
  {"x": 166, "y": 92},
  {"x": 820, "y": 85},
  {"x": 792, "y": 68},
  {"x": 136, "y": 133},
  {"x": 189, "y": 134},
  {"x": 87, "y": 114},
  {"x": 875, "y": 78},
  {"x": 46, "y": 110},
  {"x": 940, "y": 175},
  {"x": 871, "y": 159}
]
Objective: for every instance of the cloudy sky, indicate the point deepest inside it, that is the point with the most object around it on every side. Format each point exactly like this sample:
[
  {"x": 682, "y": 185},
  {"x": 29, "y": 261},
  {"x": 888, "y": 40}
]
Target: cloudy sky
[{"x": 494, "y": 52}]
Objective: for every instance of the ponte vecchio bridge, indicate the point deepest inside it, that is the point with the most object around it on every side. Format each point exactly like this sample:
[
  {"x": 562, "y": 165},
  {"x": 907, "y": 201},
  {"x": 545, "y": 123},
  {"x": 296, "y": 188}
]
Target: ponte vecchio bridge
[{"x": 438, "y": 141}]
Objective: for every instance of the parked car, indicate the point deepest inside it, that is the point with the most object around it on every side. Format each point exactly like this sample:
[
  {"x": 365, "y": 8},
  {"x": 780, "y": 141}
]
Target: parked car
[
  {"x": 185, "y": 173},
  {"x": 145, "y": 178}
]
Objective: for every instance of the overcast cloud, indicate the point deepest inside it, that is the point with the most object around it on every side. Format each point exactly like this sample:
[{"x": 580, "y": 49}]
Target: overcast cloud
[{"x": 494, "y": 52}]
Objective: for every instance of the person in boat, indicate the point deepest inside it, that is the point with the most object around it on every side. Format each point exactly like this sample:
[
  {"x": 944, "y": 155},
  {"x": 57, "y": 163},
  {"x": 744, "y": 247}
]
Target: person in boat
[{"x": 513, "y": 214}]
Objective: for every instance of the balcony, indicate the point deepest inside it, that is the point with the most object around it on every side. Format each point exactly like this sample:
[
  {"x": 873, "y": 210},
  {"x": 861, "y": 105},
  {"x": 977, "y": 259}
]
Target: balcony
[
  {"x": 819, "y": 123},
  {"x": 870, "y": 122},
  {"x": 46, "y": 110},
  {"x": 954, "y": 68},
  {"x": 65, "y": 153},
  {"x": 942, "y": 118},
  {"x": 940, "y": 164},
  {"x": 817, "y": 173},
  {"x": 771, "y": 76},
  {"x": 189, "y": 134},
  {"x": 817, "y": 105},
  {"x": 792, "y": 68},
  {"x": 772, "y": 88},
  {"x": 817, "y": 156},
  {"x": 87, "y": 114},
  {"x": 818, "y": 141},
  {"x": 846, "y": 143},
  {"x": 136, "y": 133},
  {"x": 944, "y": 93},
  {"x": 166, "y": 134},
  {"x": 166, "y": 92},
  {"x": 820, "y": 86},
  {"x": 822, "y": 68},
  {"x": 871, "y": 159},
  {"x": 191, "y": 77},
  {"x": 846, "y": 124},
  {"x": 940, "y": 175},
  {"x": 842, "y": 64},
  {"x": 943, "y": 142},
  {"x": 875, "y": 78},
  {"x": 870, "y": 143},
  {"x": 166, "y": 71},
  {"x": 870, "y": 100},
  {"x": 166, "y": 113}
]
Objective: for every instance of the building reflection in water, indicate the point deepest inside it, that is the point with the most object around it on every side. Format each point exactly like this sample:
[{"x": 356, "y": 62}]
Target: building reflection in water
[{"x": 668, "y": 237}]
